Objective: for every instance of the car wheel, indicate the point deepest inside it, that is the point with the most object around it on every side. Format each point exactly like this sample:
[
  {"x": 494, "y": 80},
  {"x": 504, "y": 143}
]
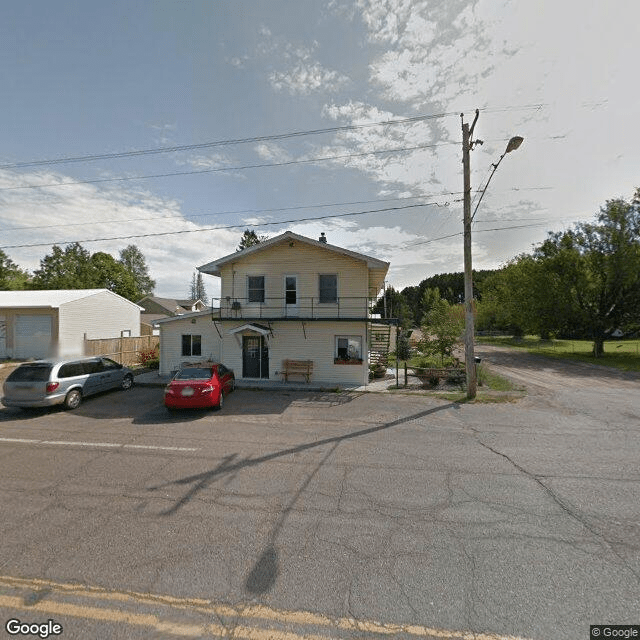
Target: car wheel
[
  {"x": 73, "y": 399},
  {"x": 127, "y": 381},
  {"x": 221, "y": 400}
]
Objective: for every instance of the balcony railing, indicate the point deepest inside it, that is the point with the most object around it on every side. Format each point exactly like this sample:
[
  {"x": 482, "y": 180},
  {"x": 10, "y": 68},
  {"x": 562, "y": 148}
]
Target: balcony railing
[{"x": 356, "y": 307}]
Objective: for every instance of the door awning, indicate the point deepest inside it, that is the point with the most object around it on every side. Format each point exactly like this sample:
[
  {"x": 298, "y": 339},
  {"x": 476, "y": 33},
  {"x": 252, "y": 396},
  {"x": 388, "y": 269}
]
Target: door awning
[{"x": 251, "y": 326}]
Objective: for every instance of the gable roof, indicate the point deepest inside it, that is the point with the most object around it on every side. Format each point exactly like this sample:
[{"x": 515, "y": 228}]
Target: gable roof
[
  {"x": 51, "y": 298},
  {"x": 170, "y": 304},
  {"x": 213, "y": 268}
]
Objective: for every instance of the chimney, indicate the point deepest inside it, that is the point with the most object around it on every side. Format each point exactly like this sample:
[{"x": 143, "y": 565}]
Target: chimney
[{"x": 322, "y": 238}]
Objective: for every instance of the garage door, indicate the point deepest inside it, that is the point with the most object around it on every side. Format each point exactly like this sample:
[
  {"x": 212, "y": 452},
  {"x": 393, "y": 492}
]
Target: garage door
[{"x": 33, "y": 337}]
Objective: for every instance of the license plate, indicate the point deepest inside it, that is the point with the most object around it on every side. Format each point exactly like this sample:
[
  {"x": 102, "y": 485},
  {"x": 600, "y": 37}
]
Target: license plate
[{"x": 187, "y": 391}]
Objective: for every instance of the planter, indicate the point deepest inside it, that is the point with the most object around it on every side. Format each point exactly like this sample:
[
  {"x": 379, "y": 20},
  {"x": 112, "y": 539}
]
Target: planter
[
  {"x": 380, "y": 371},
  {"x": 431, "y": 376}
]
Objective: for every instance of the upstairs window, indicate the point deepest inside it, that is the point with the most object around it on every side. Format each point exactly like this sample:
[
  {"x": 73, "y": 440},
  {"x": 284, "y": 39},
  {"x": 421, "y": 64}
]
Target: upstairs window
[
  {"x": 255, "y": 287},
  {"x": 328, "y": 288}
]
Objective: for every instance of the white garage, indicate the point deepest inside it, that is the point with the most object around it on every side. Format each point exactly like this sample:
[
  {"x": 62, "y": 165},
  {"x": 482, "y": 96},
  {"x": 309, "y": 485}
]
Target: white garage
[
  {"x": 32, "y": 335},
  {"x": 42, "y": 324}
]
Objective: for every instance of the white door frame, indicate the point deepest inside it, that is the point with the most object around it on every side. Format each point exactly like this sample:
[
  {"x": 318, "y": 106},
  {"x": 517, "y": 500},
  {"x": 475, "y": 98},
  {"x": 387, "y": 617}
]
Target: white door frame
[{"x": 291, "y": 310}]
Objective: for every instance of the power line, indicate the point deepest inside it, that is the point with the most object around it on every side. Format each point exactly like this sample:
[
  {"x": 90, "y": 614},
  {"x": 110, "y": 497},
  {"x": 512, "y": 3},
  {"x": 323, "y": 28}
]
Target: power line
[
  {"x": 234, "y": 212},
  {"x": 219, "y": 143},
  {"x": 224, "y": 169},
  {"x": 233, "y": 226},
  {"x": 263, "y": 138}
]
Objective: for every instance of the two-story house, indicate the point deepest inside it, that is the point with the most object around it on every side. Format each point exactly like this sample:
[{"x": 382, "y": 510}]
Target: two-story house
[{"x": 289, "y": 297}]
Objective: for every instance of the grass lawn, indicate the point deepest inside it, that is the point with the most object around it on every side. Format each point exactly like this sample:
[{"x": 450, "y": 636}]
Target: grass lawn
[{"x": 619, "y": 354}]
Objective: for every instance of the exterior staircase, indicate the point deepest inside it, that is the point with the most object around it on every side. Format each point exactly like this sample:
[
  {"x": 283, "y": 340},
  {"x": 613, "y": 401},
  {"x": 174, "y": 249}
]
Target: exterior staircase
[{"x": 379, "y": 343}]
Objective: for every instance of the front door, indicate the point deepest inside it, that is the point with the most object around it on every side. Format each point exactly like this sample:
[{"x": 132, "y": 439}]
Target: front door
[
  {"x": 255, "y": 357},
  {"x": 291, "y": 296}
]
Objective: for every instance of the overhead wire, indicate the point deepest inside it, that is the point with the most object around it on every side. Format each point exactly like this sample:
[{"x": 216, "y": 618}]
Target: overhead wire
[
  {"x": 226, "y": 227},
  {"x": 225, "y": 169},
  {"x": 221, "y": 143},
  {"x": 232, "y": 212}
]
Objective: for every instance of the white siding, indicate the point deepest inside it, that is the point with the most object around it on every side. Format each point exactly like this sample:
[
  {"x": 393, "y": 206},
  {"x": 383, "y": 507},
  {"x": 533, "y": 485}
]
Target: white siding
[
  {"x": 306, "y": 262},
  {"x": 289, "y": 342},
  {"x": 103, "y": 315},
  {"x": 171, "y": 342}
]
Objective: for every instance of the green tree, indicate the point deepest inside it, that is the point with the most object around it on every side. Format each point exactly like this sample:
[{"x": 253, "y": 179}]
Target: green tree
[
  {"x": 109, "y": 273},
  {"x": 65, "y": 269},
  {"x": 12, "y": 277},
  {"x": 597, "y": 266},
  {"x": 393, "y": 305},
  {"x": 250, "y": 238},
  {"x": 584, "y": 281},
  {"x": 134, "y": 261},
  {"x": 524, "y": 297},
  {"x": 197, "y": 290},
  {"x": 442, "y": 328}
]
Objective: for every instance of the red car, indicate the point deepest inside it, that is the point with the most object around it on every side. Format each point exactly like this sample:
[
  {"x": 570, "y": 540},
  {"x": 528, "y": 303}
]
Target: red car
[{"x": 199, "y": 386}]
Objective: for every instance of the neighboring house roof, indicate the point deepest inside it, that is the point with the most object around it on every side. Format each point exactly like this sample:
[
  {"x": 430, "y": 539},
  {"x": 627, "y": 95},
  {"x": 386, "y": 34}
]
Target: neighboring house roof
[
  {"x": 185, "y": 316},
  {"x": 172, "y": 305},
  {"x": 51, "y": 298},
  {"x": 151, "y": 318},
  {"x": 213, "y": 268}
]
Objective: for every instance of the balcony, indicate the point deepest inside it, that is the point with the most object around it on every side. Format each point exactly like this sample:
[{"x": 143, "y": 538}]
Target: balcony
[{"x": 295, "y": 308}]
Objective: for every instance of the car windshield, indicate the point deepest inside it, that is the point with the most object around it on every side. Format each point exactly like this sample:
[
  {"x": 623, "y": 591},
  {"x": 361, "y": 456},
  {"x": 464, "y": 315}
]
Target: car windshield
[
  {"x": 31, "y": 373},
  {"x": 194, "y": 373}
]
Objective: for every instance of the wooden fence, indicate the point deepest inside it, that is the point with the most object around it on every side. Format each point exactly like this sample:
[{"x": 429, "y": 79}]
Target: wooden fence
[{"x": 122, "y": 350}]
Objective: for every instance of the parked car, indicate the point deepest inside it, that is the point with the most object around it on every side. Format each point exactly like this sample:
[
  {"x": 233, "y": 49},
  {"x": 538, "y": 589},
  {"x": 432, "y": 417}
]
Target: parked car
[
  {"x": 44, "y": 383},
  {"x": 199, "y": 386}
]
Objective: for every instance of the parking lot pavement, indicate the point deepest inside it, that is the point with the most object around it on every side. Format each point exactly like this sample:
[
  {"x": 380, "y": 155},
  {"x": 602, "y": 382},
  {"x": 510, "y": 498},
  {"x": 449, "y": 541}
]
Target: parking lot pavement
[{"x": 512, "y": 520}]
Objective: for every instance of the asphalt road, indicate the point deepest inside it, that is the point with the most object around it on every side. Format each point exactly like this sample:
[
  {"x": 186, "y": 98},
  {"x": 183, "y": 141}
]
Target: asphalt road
[{"x": 328, "y": 515}]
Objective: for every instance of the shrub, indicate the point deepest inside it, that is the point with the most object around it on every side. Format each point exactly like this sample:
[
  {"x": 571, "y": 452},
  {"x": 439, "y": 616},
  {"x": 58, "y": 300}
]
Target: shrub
[{"x": 149, "y": 358}]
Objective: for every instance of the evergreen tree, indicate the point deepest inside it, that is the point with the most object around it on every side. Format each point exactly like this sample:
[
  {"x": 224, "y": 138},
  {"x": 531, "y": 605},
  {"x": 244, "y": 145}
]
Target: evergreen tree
[
  {"x": 250, "y": 238},
  {"x": 197, "y": 290}
]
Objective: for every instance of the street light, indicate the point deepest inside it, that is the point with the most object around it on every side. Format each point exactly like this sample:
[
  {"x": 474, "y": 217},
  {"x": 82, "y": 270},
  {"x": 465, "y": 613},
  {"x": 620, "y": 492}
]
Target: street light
[
  {"x": 512, "y": 145},
  {"x": 467, "y": 145}
]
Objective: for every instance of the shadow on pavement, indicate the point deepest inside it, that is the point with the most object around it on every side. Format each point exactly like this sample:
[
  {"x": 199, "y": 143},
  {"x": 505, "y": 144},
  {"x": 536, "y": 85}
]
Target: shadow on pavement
[{"x": 265, "y": 571}]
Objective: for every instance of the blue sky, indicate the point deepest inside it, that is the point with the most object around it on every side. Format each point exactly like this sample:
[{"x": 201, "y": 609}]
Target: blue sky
[{"x": 94, "y": 78}]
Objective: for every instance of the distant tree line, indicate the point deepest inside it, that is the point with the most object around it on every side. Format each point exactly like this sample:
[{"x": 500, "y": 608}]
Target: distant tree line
[
  {"x": 580, "y": 283},
  {"x": 412, "y": 304},
  {"x": 76, "y": 268}
]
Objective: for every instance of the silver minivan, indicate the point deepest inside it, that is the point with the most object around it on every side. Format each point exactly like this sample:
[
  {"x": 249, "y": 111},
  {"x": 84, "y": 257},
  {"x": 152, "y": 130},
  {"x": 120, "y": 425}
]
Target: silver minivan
[{"x": 44, "y": 383}]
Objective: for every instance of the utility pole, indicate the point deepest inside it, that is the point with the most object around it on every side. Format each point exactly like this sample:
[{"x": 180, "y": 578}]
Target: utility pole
[{"x": 469, "y": 356}]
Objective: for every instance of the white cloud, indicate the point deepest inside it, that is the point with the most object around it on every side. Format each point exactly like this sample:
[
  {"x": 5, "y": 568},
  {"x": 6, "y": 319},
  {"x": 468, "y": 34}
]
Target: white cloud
[
  {"x": 273, "y": 152},
  {"x": 306, "y": 77},
  {"x": 87, "y": 212},
  {"x": 303, "y": 74}
]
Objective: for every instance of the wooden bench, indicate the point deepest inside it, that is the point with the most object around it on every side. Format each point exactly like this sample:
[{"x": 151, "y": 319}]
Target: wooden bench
[{"x": 297, "y": 368}]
